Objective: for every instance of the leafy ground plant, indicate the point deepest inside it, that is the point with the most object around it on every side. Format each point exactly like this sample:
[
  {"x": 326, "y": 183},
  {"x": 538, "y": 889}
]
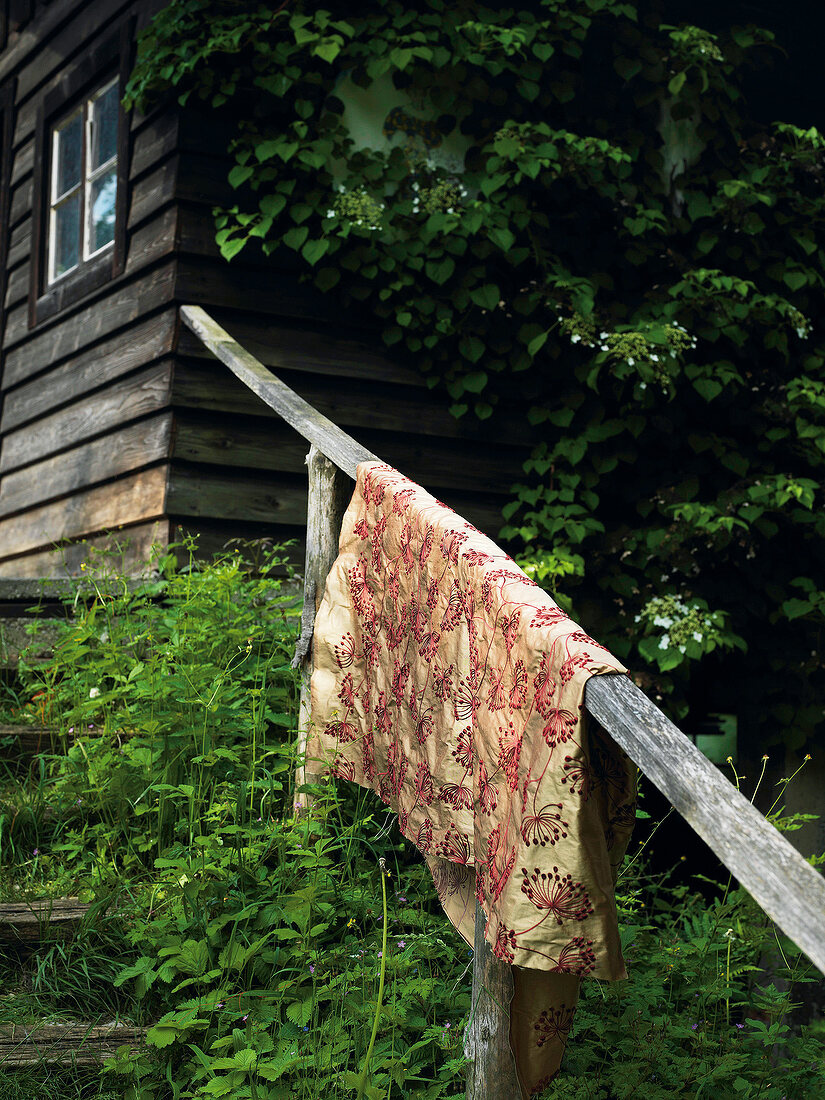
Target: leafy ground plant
[
  {"x": 252, "y": 943},
  {"x": 709, "y": 1006},
  {"x": 248, "y": 942}
]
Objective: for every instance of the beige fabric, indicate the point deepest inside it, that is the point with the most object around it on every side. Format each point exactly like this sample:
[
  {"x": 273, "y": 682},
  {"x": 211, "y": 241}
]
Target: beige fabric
[
  {"x": 541, "y": 1017},
  {"x": 452, "y": 684}
]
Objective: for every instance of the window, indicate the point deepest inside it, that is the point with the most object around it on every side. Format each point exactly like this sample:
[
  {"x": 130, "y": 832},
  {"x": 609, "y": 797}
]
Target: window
[
  {"x": 83, "y": 205},
  {"x": 82, "y": 149}
]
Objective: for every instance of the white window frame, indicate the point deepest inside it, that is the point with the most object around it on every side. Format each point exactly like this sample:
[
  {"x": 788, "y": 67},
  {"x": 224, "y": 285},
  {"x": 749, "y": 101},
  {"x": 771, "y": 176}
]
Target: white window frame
[{"x": 83, "y": 187}]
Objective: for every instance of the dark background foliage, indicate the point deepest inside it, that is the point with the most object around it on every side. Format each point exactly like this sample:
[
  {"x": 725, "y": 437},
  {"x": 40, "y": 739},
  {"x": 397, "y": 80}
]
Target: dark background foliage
[{"x": 653, "y": 300}]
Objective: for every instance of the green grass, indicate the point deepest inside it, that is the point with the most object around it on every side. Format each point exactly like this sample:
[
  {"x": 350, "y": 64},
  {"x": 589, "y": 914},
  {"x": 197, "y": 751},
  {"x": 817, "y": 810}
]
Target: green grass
[{"x": 248, "y": 940}]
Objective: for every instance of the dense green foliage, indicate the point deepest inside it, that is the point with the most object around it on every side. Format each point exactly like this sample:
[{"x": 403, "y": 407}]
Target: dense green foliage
[
  {"x": 250, "y": 940},
  {"x": 622, "y": 246},
  {"x": 253, "y": 942}
]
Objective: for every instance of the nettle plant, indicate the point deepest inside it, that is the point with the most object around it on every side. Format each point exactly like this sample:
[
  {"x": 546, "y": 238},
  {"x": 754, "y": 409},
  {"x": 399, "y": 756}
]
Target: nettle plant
[{"x": 567, "y": 201}]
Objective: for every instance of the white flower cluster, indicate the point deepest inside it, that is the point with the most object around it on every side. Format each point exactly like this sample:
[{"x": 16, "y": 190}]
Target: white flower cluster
[
  {"x": 358, "y": 207},
  {"x": 679, "y": 621},
  {"x": 443, "y": 197}
]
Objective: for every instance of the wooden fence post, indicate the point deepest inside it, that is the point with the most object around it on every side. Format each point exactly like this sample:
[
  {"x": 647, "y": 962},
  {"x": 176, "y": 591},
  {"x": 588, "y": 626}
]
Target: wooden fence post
[
  {"x": 326, "y": 503},
  {"x": 491, "y": 1072}
]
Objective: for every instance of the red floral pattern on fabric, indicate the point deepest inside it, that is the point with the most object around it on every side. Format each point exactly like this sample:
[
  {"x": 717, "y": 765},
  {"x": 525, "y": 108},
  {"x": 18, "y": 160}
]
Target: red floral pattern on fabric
[{"x": 451, "y": 684}]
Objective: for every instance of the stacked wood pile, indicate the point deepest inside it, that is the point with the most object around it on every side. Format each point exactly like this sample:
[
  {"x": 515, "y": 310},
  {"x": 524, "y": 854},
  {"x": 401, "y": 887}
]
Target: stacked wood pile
[
  {"x": 66, "y": 1044},
  {"x": 25, "y": 928}
]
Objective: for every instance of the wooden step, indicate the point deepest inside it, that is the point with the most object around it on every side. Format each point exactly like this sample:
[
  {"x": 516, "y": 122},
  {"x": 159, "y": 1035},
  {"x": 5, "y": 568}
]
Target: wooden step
[
  {"x": 70, "y": 1044},
  {"x": 27, "y": 921},
  {"x": 18, "y": 742}
]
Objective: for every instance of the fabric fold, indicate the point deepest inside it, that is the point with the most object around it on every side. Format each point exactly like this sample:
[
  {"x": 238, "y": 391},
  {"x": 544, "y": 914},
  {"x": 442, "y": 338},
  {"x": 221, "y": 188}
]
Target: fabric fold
[{"x": 451, "y": 684}]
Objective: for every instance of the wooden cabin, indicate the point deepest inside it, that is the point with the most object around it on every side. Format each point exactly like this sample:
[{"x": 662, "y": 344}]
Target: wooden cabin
[{"x": 115, "y": 421}]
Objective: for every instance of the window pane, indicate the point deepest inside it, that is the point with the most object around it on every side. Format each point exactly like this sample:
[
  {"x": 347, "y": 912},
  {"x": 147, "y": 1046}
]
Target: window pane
[
  {"x": 66, "y": 236},
  {"x": 68, "y": 149},
  {"x": 102, "y": 207},
  {"x": 104, "y": 127}
]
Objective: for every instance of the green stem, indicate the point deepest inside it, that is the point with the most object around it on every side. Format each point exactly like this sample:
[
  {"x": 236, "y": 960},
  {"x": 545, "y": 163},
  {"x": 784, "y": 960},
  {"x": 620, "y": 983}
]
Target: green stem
[{"x": 362, "y": 1079}]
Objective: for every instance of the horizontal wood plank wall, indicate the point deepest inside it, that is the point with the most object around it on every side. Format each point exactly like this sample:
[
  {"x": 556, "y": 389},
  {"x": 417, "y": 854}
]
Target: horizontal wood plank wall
[
  {"x": 113, "y": 374},
  {"x": 86, "y": 429},
  {"x": 224, "y": 435},
  {"x": 129, "y": 547}
]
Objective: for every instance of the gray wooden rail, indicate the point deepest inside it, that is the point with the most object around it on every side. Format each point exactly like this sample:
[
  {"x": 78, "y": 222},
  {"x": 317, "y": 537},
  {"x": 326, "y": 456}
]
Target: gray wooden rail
[{"x": 787, "y": 888}]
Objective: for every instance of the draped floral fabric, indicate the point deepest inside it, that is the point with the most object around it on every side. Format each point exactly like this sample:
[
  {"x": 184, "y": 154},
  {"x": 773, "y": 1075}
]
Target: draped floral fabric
[
  {"x": 449, "y": 682},
  {"x": 452, "y": 684}
]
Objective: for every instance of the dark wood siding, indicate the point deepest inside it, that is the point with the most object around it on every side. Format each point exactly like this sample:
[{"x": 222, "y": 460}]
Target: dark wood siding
[
  {"x": 86, "y": 428},
  {"x": 113, "y": 415}
]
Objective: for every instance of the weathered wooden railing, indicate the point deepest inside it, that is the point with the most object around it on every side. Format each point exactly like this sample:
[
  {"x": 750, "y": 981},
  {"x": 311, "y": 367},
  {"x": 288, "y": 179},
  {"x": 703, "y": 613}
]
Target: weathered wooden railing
[{"x": 788, "y": 888}]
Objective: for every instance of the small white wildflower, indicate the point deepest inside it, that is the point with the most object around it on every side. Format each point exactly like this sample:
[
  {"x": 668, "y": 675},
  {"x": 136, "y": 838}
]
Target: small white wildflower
[
  {"x": 94, "y": 692},
  {"x": 697, "y": 637},
  {"x": 330, "y": 213},
  {"x": 643, "y": 385},
  {"x": 664, "y": 641},
  {"x": 575, "y": 338},
  {"x": 631, "y": 362}
]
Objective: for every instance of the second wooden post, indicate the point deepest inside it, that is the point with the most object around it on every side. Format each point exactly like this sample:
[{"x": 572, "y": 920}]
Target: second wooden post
[
  {"x": 491, "y": 1068},
  {"x": 326, "y": 504}
]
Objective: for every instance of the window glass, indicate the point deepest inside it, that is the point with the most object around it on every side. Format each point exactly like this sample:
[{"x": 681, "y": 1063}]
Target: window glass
[
  {"x": 104, "y": 127},
  {"x": 83, "y": 191},
  {"x": 68, "y": 155},
  {"x": 102, "y": 211},
  {"x": 66, "y": 236}
]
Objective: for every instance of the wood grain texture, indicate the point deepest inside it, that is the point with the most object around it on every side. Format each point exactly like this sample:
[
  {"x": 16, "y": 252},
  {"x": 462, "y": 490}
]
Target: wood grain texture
[
  {"x": 19, "y": 243},
  {"x": 788, "y": 888},
  {"x": 15, "y": 639},
  {"x": 155, "y": 141},
  {"x": 138, "y": 346},
  {"x": 17, "y": 285},
  {"x": 29, "y": 922},
  {"x": 113, "y": 306},
  {"x": 154, "y": 191},
  {"x": 74, "y": 1044},
  {"x": 142, "y": 444},
  {"x": 357, "y": 403},
  {"x": 129, "y": 551},
  {"x": 33, "y": 37},
  {"x": 273, "y": 293},
  {"x": 247, "y": 497},
  {"x": 341, "y": 448},
  {"x": 329, "y": 491},
  {"x": 20, "y": 742},
  {"x": 136, "y": 497},
  {"x": 127, "y": 399},
  {"x": 21, "y": 200},
  {"x": 491, "y": 1069},
  {"x": 282, "y": 347},
  {"x": 152, "y": 241},
  {"x": 266, "y": 443},
  {"x": 23, "y": 162},
  {"x": 54, "y": 43}
]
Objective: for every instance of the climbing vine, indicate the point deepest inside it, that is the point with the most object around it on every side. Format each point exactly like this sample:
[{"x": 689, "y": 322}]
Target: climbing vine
[{"x": 568, "y": 201}]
